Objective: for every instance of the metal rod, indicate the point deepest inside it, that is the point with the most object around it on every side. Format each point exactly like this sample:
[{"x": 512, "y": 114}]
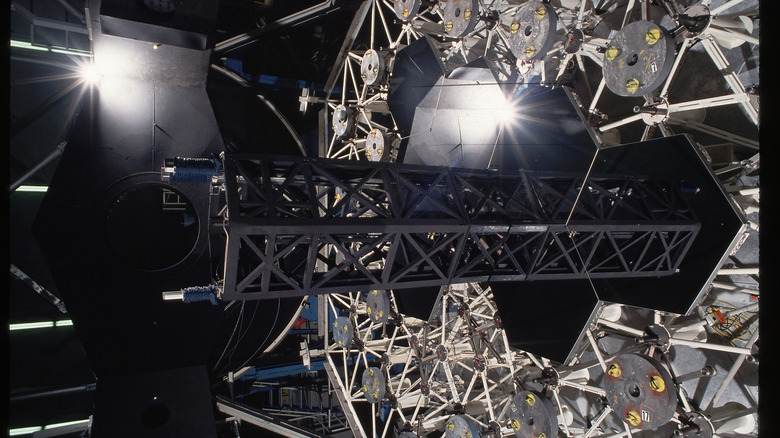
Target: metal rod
[
  {"x": 624, "y": 121},
  {"x": 724, "y": 6},
  {"x": 733, "y": 371},
  {"x": 597, "y": 421},
  {"x": 620, "y": 327},
  {"x": 708, "y": 346},
  {"x": 738, "y": 271},
  {"x": 72, "y": 9},
  {"x": 318, "y": 10},
  {"x": 43, "y": 163},
  {"x": 727, "y": 286},
  {"x": 53, "y": 392},
  {"x": 596, "y": 349}
]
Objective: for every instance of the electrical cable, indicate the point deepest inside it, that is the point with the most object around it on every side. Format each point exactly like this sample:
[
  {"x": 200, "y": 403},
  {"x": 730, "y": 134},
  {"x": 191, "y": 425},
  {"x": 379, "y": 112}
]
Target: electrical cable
[
  {"x": 278, "y": 308},
  {"x": 241, "y": 337},
  {"x": 227, "y": 344}
]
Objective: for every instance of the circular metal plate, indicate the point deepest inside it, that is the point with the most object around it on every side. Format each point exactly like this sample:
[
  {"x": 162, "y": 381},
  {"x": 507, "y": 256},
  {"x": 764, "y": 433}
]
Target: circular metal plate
[
  {"x": 375, "y": 145},
  {"x": 532, "y": 31},
  {"x": 378, "y": 306},
  {"x": 406, "y": 9},
  {"x": 342, "y": 122},
  {"x": 461, "y": 426},
  {"x": 372, "y": 67},
  {"x": 373, "y": 384},
  {"x": 640, "y": 391},
  {"x": 533, "y": 416},
  {"x": 638, "y": 59},
  {"x": 342, "y": 332},
  {"x": 460, "y": 16}
]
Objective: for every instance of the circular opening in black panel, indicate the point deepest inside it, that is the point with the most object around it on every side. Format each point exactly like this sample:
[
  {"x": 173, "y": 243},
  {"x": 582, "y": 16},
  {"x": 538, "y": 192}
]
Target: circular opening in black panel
[
  {"x": 151, "y": 227},
  {"x": 155, "y": 416}
]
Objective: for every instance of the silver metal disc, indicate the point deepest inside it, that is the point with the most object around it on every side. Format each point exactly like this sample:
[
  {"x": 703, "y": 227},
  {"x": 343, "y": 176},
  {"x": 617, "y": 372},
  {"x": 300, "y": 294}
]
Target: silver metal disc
[
  {"x": 373, "y": 384},
  {"x": 533, "y": 416},
  {"x": 460, "y": 16},
  {"x": 640, "y": 391},
  {"x": 342, "y": 122},
  {"x": 378, "y": 306},
  {"x": 532, "y": 31},
  {"x": 372, "y": 67},
  {"x": 406, "y": 9},
  {"x": 461, "y": 426},
  {"x": 342, "y": 332},
  {"x": 375, "y": 145},
  {"x": 638, "y": 59}
]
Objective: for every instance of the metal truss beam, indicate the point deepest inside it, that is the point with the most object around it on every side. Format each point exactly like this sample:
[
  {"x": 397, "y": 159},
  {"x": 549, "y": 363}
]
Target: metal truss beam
[
  {"x": 301, "y": 226},
  {"x": 262, "y": 420}
]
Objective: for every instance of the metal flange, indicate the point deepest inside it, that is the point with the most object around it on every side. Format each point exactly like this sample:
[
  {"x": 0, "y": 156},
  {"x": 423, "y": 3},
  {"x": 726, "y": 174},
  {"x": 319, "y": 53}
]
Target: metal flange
[
  {"x": 640, "y": 390},
  {"x": 532, "y": 31},
  {"x": 638, "y": 59}
]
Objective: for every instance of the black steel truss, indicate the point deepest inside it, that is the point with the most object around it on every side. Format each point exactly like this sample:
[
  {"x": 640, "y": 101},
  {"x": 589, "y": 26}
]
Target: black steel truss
[{"x": 301, "y": 226}]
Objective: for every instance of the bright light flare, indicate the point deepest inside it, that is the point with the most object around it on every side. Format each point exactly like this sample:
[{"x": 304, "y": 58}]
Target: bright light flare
[
  {"x": 508, "y": 113},
  {"x": 90, "y": 73}
]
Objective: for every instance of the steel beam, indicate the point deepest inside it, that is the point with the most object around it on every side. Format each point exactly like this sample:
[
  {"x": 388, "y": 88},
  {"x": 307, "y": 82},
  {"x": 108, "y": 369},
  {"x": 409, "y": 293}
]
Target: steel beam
[
  {"x": 247, "y": 38},
  {"x": 253, "y": 416},
  {"x": 302, "y": 226}
]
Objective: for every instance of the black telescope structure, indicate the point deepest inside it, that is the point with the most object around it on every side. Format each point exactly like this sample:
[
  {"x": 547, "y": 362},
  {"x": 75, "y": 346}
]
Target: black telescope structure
[{"x": 305, "y": 226}]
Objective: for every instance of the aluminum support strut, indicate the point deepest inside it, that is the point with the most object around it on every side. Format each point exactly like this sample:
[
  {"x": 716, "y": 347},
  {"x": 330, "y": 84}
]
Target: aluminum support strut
[
  {"x": 262, "y": 420},
  {"x": 300, "y": 226}
]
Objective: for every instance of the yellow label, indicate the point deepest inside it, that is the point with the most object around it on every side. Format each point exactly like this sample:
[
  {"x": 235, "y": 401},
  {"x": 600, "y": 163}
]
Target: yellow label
[
  {"x": 530, "y": 399},
  {"x": 652, "y": 36},
  {"x": 376, "y": 394},
  {"x": 336, "y": 324},
  {"x": 379, "y": 151},
  {"x": 370, "y": 372},
  {"x": 467, "y": 14},
  {"x": 379, "y": 313},
  {"x": 612, "y": 52},
  {"x": 368, "y": 154},
  {"x": 515, "y": 425},
  {"x": 467, "y": 435},
  {"x": 540, "y": 13},
  {"x": 374, "y": 292},
  {"x": 632, "y": 86},
  {"x": 529, "y": 51},
  {"x": 448, "y": 26},
  {"x": 633, "y": 418},
  {"x": 405, "y": 13},
  {"x": 541, "y": 435},
  {"x": 514, "y": 27},
  {"x": 614, "y": 370},
  {"x": 365, "y": 388},
  {"x": 345, "y": 329},
  {"x": 657, "y": 384},
  {"x": 451, "y": 425}
]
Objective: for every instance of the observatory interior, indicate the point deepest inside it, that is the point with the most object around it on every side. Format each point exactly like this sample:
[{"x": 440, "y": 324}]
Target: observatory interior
[{"x": 388, "y": 218}]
